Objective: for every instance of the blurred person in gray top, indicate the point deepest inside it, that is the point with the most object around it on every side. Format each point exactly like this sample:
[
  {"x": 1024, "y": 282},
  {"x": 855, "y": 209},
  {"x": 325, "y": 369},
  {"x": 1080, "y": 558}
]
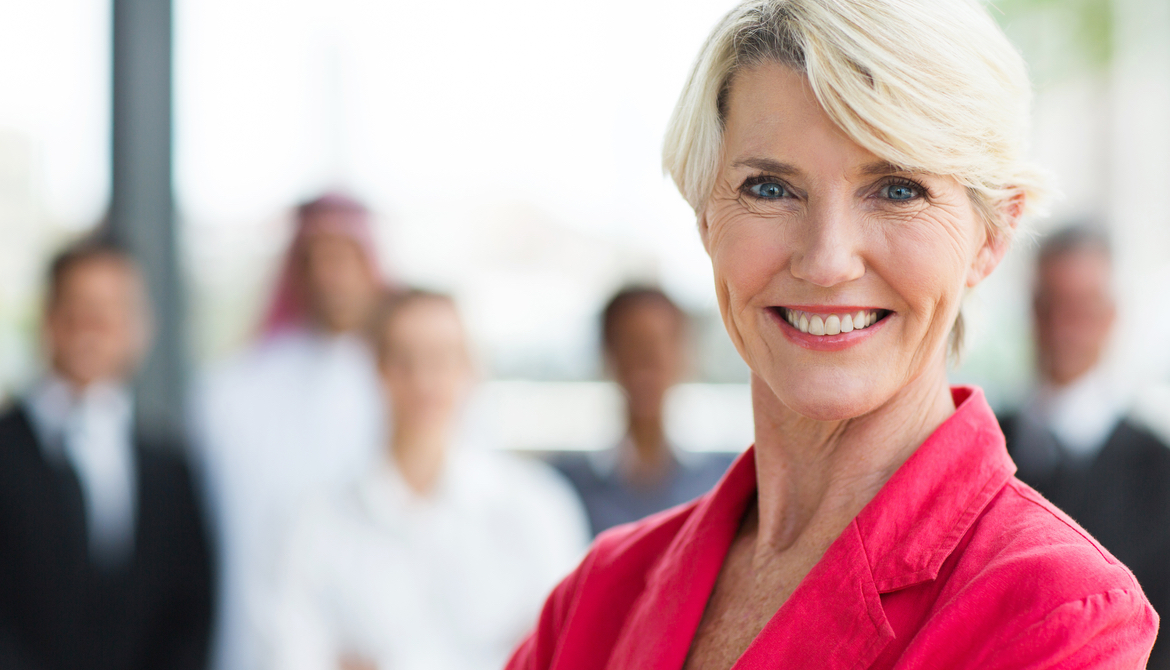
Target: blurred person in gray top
[
  {"x": 1072, "y": 440},
  {"x": 645, "y": 340},
  {"x": 298, "y": 411},
  {"x": 104, "y": 562}
]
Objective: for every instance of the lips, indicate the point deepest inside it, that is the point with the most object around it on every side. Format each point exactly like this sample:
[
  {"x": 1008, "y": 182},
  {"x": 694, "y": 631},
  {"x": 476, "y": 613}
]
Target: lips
[{"x": 829, "y": 323}]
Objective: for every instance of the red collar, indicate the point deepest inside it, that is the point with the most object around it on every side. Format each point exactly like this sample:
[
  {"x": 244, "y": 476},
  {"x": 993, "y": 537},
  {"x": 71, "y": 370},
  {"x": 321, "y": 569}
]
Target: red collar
[
  {"x": 943, "y": 488},
  {"x": 900, "y": 538}
]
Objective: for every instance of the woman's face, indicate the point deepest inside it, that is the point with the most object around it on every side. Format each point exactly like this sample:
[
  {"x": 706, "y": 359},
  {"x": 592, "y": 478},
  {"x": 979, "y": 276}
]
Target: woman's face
[{"x": 838, "y": 275}]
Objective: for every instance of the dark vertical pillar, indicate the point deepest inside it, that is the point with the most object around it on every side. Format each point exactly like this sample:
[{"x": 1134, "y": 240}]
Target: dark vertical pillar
[{"x": 142, "y": 211}]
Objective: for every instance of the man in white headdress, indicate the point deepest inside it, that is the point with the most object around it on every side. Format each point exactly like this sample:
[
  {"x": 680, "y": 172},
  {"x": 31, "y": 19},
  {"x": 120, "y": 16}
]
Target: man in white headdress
[{"x": 297, "y": 412}]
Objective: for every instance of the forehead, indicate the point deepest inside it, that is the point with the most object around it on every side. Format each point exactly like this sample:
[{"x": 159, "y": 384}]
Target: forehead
[
  {"x": 1081, "y": 266},
  {"x": 329, "y": 241},
  {"x": 644, "y": 310},
  {"x": 425, "y": 321},
  {"x": 772, "y": 111},
  {"x": 102, "y": 270}
]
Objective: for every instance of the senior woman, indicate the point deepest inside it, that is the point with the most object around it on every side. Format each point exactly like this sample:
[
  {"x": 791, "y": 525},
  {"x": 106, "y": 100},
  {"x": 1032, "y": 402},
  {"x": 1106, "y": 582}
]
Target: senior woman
[{"x": 855, "y": 167}]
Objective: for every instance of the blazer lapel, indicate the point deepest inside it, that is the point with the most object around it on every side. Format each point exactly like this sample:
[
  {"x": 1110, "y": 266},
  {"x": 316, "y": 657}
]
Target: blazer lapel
[
  {"x": 834, "y": 620},
  {"x": 659, "y": 628}
]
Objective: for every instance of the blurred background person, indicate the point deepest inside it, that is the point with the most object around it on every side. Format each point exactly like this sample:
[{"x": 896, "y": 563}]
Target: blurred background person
[
  {"x": 298, "y": 411},
  {"x": 1072, "y": 440},
  {"x": 441, "y": 555},
  {"x": 645, "y": 342},
  {"x": 104, "y": 562}
]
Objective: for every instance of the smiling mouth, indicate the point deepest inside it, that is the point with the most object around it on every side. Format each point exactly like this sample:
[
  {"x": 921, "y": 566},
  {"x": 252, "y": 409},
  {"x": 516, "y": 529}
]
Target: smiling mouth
[{"x": 828, "y": 324}]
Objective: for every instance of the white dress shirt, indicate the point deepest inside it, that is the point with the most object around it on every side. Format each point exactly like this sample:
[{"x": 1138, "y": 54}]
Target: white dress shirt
[
  {"x": 451, "y": 581},
  {"x": 1082, "y": 415},
  {"x": 92, "y": 429},
  {"x": 298, "y": 413}
]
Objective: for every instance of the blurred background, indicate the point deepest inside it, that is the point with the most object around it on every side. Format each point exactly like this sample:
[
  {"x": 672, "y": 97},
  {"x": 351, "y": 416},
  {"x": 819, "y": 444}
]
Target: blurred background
[{"x": 511, "y": 152}]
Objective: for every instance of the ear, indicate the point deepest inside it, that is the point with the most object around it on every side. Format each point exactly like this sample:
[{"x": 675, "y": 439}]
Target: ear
[{"x": 997, "y": 241}]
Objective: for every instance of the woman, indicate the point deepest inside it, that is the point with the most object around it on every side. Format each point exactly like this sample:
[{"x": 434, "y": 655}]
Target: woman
[
  {"x": 855, "y": 167},
  {"x": 440, "y": 557}
]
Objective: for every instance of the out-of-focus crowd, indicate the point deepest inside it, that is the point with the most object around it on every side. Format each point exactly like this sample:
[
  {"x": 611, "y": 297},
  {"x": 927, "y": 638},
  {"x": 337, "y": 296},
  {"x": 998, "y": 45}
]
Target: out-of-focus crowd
[{"x": 330, "y": 510}]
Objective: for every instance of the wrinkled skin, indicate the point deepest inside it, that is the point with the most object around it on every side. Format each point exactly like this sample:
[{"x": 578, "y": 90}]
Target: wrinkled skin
[
  {"x": 833, "y": 236},
  {"x": 800, "y": 215}
]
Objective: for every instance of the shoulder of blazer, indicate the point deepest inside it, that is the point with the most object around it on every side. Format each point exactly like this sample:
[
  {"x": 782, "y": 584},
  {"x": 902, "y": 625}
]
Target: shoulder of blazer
[
  {"x": 166, "y": 480},
  {"x": 18, "y": 441},
  {"x": 1136, "y": 436}
]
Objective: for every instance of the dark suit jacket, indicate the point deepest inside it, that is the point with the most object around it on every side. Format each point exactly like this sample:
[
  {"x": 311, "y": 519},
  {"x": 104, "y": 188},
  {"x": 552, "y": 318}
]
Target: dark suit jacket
[
  {"x": 1121, "y": 496},
  {"x": 60, "y": 612}
]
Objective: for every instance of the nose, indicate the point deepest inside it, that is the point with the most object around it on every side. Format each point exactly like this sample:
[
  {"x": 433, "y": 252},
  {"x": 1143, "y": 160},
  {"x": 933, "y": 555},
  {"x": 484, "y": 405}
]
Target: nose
[{"x": 827, "y": 250}]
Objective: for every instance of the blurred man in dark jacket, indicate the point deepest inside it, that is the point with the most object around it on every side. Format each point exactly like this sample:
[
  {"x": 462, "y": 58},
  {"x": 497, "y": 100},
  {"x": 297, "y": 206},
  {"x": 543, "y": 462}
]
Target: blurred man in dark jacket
[
  {"x": 104, "y": 562},
  {"x": 1072, "y": 440}
]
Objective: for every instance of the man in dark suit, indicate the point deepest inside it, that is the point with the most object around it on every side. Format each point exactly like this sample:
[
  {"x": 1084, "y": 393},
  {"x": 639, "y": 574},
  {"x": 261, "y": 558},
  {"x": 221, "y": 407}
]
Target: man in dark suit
[
  {"x": 1072, "y": 441},
  {"x": 104, "y": 562}
]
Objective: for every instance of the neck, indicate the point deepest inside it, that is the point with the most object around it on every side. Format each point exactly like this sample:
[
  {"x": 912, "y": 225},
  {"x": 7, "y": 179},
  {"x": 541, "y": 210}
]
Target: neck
[
  {"x": 646, "y": 463},
  {"x": 78, "y": 385},
  {"x": 419, "y": 454},
  {"x": 814, "y": 477},
  {"x": 648, "y": 436},
  {"x": 1057, "y": 383}
]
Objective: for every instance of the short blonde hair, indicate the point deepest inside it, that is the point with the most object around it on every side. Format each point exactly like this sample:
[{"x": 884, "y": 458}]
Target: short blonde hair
[{"x": 928, "y": 85}]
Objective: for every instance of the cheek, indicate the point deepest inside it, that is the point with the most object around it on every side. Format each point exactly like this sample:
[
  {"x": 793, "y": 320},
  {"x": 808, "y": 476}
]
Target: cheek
[
  {"x": 926, "y": 263},
  {"x": 746, "y": 254}
]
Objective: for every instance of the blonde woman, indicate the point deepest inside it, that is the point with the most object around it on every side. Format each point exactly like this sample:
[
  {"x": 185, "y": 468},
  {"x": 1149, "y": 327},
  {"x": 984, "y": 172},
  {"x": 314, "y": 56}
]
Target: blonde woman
[{"x": 855, "y": 166}]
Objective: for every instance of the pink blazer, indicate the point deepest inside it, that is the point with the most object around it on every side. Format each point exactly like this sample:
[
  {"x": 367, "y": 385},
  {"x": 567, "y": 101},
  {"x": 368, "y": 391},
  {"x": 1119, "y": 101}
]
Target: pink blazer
[{"x": 955, "y": 564}]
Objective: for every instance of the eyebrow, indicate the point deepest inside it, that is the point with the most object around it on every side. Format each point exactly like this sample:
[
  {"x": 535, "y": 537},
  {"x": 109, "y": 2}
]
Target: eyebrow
[
  {"x": 768, "y": 165},
  {"x": 878, "y": 168}
]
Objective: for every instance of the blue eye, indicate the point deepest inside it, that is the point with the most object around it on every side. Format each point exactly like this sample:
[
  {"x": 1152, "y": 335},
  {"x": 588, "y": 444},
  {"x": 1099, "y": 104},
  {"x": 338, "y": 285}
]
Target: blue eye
[
  {"x": 769, "y": 190},
  {"x": 899, "y": 192}
]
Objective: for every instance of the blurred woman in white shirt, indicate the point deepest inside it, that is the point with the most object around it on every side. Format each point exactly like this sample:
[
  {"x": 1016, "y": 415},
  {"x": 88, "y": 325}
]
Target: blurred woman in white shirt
[{"x": 441, "y": 556}]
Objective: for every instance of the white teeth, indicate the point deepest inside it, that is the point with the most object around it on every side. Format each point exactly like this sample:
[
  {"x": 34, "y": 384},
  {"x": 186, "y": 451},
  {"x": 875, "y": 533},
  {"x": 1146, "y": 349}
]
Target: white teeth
[
  {"x": 816, "y": 326},
  {"x": 830, "y": 324},
  {"x": 833, "y": 325}
]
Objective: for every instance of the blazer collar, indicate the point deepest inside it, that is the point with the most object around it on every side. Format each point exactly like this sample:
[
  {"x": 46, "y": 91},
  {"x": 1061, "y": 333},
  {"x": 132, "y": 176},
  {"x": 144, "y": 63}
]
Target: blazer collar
[
  {"x": 941, "y": 490},
  {"x": 900, "y": 538}
]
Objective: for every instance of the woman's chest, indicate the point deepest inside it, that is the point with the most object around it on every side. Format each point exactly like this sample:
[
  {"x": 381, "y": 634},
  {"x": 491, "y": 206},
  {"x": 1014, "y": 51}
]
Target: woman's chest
[{"x": 747, "y": 595}]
